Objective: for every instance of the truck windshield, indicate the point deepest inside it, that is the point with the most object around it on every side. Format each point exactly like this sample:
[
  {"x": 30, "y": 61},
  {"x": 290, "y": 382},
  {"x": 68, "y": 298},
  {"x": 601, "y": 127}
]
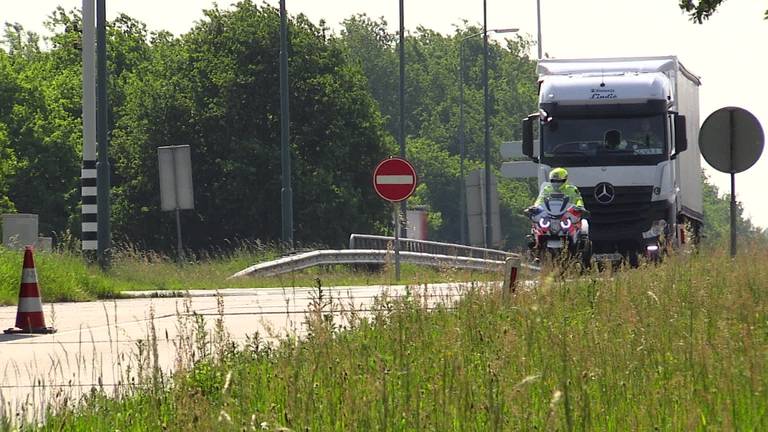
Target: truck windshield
[{"x": 603, "y": 141}]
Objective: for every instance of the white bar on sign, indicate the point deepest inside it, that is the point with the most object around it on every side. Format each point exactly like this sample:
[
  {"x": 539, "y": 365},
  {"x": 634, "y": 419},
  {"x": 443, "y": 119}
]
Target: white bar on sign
[
  {"x": 87, "y": 173},
  {"x": 28, "y": 275},
  {"x": 90, "y": 244},
  {"x": 90, "y": 209},
  {"x": 88, "y": 191},
  {"x": 394, "y": 179},
  {"x": 30, "y": 304},
  {"x": 90, "y": 226}
]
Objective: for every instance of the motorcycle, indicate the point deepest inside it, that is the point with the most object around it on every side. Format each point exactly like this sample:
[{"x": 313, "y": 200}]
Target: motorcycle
[{"x": 559, "y": 229}]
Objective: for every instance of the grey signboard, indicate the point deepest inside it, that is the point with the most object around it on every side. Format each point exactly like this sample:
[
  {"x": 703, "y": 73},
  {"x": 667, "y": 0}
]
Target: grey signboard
[{"x": 175, "y": 163}]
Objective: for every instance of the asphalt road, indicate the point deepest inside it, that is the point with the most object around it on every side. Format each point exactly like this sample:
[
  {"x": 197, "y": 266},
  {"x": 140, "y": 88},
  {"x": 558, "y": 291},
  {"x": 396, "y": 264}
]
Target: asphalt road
[{"x": 97, "y": 342}]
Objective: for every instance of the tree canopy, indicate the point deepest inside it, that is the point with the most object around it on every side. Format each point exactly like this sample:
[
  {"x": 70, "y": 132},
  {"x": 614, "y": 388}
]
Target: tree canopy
[
  {"x": 216, "y": 88},
  {"x": 703, "y": 9}
]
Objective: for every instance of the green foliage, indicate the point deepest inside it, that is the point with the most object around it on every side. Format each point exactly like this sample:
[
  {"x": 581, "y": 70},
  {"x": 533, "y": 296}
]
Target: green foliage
[
  {"x": 433, "y": 105},
  {"x": 62, "y": 277},
  {"x": 717, "y": 216},
  {"x": 703, "y": 9},
  {"x": 215, "y": 89}
]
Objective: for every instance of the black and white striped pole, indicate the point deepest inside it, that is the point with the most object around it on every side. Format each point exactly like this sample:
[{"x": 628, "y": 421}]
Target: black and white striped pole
[{"x": 88, "y": 174}]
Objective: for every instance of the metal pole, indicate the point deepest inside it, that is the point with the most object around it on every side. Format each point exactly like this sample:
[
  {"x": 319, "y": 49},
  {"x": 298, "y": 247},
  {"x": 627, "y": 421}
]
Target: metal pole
[
  {"x": 102, "y": 167},
  {"x": 538, "y": 20},
  {"x": 285, "y": 156},
  {"x": 462, "y": 182},
  {"x": 487, "y": 130},
  {"x": 731, "y": 131},
  {"x": 733, "y": 215},
  {"x": 176, "y": 194},
  {"x": 397, "y": 242},
  {"x": 404, "y": 203},
  {"x": 88, "y": 192},
  {"x": 178, "y": 236}
]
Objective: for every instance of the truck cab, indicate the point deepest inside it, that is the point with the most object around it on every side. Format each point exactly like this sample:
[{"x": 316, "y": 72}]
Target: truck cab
[{"x": 621, "y": 128}]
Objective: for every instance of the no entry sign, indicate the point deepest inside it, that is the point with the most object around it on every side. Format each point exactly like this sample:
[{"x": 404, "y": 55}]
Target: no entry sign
[{"x": 394, "y": 179}]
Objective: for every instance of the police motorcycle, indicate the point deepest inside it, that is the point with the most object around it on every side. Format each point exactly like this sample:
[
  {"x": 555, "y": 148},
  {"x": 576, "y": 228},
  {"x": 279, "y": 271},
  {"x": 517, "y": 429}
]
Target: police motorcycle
[{"x": 559, "y": 230}]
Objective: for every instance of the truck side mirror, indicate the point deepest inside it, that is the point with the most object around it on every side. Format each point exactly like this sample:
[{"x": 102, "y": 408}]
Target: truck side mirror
[
  {"x": 528, "y": 135},
  {"x": 681, "y": 138}
]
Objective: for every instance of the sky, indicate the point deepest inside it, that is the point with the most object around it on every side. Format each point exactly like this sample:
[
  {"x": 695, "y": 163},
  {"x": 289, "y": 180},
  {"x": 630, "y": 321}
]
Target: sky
[{"x": 725, "y": 51}]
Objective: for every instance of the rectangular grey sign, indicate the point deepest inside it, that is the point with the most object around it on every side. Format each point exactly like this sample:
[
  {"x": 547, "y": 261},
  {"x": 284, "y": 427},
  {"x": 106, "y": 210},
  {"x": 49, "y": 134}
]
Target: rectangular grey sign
[{"x": 175, "y": 164}]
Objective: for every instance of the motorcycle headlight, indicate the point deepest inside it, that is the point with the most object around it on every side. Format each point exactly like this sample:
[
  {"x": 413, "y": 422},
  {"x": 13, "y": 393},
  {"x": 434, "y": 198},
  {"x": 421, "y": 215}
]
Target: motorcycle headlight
[
  {"x": 544, "y": 222},
  {"x": 566, "y": 223}
]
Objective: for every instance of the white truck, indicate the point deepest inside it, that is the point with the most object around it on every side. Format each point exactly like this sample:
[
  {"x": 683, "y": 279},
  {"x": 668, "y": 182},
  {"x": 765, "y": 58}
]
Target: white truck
[{"x": 621, "y": 127}]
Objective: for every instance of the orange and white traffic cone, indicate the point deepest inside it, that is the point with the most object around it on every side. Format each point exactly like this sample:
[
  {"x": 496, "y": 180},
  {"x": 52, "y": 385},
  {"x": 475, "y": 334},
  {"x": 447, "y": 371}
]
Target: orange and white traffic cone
[{"x": 29, "y": 315}]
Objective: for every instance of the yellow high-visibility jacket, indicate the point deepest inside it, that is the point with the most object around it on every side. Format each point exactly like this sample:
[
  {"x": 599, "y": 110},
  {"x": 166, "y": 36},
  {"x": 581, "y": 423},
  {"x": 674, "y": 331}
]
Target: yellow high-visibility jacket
[{"x": 569, "y": 190}]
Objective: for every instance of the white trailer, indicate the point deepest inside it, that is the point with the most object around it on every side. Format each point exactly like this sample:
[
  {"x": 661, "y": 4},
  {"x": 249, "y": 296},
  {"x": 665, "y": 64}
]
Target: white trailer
[{"x": 621, "y": 127}]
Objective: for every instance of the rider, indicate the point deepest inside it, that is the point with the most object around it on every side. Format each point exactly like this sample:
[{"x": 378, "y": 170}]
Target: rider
[{"x": 558, "y": 183}]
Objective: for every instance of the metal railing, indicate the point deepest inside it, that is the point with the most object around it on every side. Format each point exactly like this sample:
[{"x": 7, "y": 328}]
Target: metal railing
[
  {"x": 366, "y": 256},
  {"x": 365, "y": 241}
]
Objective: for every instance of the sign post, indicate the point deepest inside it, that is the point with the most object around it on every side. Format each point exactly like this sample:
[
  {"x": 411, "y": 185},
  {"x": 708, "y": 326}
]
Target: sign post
[
  {"x": 731, "y": 141},
  {"x": 395, "y": 180},
  {"x": 175, "y": 163}
]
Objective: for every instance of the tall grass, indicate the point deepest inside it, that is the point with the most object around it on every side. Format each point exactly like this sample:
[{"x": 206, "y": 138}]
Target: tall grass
[{"x": 679, "y": 347}]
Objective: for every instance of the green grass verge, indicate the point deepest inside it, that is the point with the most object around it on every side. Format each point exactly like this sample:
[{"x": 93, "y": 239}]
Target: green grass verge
[
  {"x": 64, "y": 276},
  {"x": 680, "y": 347}
]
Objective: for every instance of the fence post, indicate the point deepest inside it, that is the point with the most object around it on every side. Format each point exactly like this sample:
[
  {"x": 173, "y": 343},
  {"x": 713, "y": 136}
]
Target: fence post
[{"x": 509, "y": 283}]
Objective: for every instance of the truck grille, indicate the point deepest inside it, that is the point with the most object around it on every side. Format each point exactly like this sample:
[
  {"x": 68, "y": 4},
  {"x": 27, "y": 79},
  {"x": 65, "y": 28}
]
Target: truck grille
[{"x": 626, "y": 217}]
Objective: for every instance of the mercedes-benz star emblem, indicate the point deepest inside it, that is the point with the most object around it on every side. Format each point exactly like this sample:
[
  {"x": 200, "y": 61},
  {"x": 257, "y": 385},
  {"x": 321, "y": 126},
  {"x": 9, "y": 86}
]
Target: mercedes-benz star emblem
[{"x": 604, "y": 193}]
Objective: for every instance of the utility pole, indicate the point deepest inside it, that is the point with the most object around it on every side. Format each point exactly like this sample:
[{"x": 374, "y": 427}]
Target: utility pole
[
  {"x": 486, "y": 117},
  {"x": 285, "y": 123},
  {"x": 462, "y": 135},
  {"x": 401, "y": 217},
  {"x": 463, "y": 183},
  {"x": 102, "y": 166},
  {"x": 404, "y": 203},
  {"x": 538, "y": 21}
]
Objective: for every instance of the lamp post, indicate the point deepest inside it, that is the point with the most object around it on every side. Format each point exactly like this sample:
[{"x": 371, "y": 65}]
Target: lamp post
[
  {"x": 538, "y": 26},
  {"x": 286, "y": 195},
  {"x": 463, "y": 194},
  {"x": 104, "y": 236}
]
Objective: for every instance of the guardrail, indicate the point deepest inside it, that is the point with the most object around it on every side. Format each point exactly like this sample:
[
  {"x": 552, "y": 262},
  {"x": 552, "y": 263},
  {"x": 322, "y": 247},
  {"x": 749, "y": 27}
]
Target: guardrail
[
  {"x": 366, "y": 241},
  {"x": 367, "y": 256}
]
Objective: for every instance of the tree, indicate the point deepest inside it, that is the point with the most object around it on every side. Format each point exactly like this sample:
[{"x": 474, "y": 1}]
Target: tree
[
  {"x": 40, "y": 123},
  {"x": 216, "y": 89},
  {"x": 717, "y": 216},
  {"x": 703, "y": 10},
  {"x": 433, "y": 105}
]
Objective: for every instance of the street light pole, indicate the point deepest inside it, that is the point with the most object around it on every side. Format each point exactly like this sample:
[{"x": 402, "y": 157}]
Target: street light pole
[
  {"x": 538, "y": 22},
  {"x": 104, "y": 237},
  {"x": 486, "y": 120},
  {"x": 285, "y": 122},
  {"x": 462, "y": 136},
  {"x": 462, "y": 180},
  {"x": 404, "y": 203}
]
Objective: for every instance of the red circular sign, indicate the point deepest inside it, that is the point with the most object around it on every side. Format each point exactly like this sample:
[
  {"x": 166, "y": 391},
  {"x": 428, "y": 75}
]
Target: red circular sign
[{"x": 394, "y": 179}]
